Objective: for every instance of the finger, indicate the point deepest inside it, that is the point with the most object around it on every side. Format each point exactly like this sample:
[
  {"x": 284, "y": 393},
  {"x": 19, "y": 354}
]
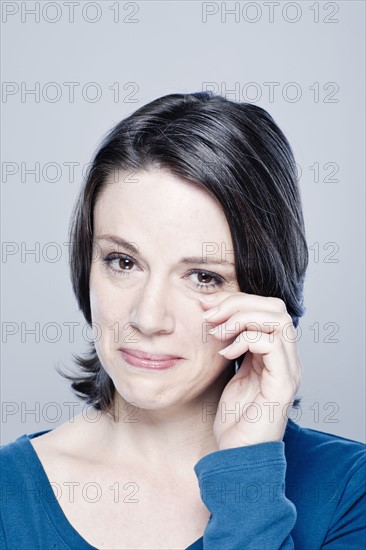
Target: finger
[
  {"x": 273, "y": 354},
  {"x": 231, "y": 304},
  {"x": 246, "y": 366},
  {"x": 208, "y": 301},
  {"x": 265, "y": 343},
  {"x": 257, "y": 321},
  {"x": 234, "y": 302},
  {"x": 273, "y": 323}
]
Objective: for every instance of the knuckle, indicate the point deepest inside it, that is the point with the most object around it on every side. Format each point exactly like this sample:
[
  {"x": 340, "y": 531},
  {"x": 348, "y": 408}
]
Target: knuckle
[
  {"x": 287, "y": 319},
  {"x": 279, "y": 304}
]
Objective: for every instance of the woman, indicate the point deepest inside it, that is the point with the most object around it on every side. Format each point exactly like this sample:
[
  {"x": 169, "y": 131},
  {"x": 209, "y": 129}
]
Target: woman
[{"x": 188, "y": 259}]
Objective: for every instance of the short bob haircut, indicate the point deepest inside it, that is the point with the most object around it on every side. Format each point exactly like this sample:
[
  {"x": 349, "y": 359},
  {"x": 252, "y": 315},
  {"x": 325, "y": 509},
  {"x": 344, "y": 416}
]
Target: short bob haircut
[{"x": 237, "y": 153}]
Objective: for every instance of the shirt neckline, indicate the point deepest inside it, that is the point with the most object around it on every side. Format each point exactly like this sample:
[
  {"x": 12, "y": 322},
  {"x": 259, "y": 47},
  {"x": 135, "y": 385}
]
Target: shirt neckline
[
  {"x": 51, "y": 506},
  {"x": 65, "y": 530},
  {"x": 49, "y": 502}
]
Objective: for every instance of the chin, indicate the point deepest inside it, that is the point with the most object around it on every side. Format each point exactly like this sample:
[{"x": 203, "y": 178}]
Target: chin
[{"x": 140, "y": 401}]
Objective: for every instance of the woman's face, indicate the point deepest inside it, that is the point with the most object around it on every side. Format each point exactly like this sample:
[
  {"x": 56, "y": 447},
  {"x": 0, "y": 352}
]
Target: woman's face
[{"x": 146, "y": 298}]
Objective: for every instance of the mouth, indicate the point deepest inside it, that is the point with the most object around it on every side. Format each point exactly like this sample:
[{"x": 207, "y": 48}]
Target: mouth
[{"x": 147, "y": 360}]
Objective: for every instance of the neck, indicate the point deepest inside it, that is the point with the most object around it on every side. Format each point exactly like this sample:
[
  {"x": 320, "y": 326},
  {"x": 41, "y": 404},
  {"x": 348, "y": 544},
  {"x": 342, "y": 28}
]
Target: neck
[{"x": 178, "y": 435}]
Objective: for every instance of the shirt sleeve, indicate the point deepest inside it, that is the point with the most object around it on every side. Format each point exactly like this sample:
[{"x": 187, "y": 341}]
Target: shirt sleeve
[
  {"x": 348, "y": 525},
  {"x": 3, "y": 544},
  {"x": 244, "y": 490}
]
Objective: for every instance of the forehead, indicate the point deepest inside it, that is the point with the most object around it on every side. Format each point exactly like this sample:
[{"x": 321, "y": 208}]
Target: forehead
[{"x": 156, "y": 204}]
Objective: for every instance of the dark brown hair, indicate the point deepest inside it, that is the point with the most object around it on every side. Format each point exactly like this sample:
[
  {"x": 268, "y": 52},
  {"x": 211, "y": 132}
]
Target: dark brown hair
[{"x": 238, "y": 154}]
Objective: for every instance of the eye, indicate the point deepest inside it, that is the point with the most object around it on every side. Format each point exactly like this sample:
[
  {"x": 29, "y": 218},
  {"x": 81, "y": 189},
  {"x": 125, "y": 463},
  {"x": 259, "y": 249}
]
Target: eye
[
  {"x": 125, "y": 263},
  {"x": 206, "y": 279}
]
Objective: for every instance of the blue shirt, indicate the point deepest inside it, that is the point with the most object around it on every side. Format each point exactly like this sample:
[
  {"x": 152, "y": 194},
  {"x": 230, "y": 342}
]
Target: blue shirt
[{"x": 307, "y": 491}]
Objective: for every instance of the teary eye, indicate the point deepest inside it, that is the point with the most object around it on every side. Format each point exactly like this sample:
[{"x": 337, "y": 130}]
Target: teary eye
[{"x": 206, "y": 279}]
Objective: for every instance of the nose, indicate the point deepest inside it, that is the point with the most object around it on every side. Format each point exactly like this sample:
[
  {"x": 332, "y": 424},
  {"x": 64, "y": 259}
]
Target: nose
[{"x": 153, "y": 312}]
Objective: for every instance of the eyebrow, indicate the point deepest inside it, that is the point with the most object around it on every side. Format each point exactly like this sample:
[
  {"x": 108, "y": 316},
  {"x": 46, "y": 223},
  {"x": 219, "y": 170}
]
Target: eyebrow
[
  {"x": 119, "y": 242},
  {"x": 130, "y": 247}
]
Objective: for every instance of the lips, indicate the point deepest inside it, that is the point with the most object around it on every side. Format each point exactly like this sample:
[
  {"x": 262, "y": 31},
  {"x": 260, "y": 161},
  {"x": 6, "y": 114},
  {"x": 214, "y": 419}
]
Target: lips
[{"x": 149, "y": 361}]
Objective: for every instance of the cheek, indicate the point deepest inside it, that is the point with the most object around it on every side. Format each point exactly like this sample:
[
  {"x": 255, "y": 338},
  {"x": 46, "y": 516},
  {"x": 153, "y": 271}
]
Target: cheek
[
  {"x": 106, "y": 304},
  {"x": 190, "y": 323},
  {"x": 111, "y": 307}
]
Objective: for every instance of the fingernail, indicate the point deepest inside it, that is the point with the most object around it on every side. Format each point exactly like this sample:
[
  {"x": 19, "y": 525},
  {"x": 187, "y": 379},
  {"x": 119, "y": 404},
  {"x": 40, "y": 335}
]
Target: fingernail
[{"x": 221, "y": 352}]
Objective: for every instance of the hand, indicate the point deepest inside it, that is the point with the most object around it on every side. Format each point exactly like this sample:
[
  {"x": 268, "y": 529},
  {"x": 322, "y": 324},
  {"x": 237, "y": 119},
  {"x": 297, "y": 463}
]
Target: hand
[{"x": 265, "y": 385}]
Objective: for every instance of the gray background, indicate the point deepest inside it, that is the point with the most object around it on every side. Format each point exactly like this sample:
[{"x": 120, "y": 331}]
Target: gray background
[{"x": 313, "y": 51}]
